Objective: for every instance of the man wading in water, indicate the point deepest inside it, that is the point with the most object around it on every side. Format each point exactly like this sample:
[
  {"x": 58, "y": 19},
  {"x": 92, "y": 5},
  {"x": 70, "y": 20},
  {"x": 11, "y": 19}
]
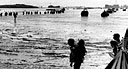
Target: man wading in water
[
  {"x": 77, "y": 53},
  {"x": 14, "y": 30},
  {"x": 15, "y": 16}
]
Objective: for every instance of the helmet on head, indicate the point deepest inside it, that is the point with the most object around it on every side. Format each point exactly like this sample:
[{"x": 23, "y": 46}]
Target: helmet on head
[{"x": 71, "y": 41}]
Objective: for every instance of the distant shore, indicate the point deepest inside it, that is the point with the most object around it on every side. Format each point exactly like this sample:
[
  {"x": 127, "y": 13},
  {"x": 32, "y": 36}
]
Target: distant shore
[{"x": 18, "y": 6}]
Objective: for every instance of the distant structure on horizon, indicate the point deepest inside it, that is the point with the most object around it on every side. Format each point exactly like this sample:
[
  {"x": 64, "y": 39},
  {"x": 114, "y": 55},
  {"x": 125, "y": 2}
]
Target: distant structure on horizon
[
  {"x": 124, "y": 6},
  {"x": 112, "y": 6}
]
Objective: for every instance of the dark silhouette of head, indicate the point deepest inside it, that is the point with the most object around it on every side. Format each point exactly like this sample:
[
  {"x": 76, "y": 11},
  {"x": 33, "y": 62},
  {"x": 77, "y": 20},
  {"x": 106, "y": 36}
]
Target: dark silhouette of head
[
  {"x": 116, "y": 37},
  {"x": 81, "y": 42},
  {"x": 71, "y": 42}
]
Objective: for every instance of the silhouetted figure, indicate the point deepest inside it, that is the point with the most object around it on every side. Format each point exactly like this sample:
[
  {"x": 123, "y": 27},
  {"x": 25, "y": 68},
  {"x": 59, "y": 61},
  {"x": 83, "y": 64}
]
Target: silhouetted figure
[
  {"x": 58, "y": 12},
  {"x": 45, "y": 12},
  {"x": 40, "y": 13},
  {"x": 15, "y": 16},
  {"x": 36, "y": 12},
  {"x": 71, "y": 43},
  {"x": 120, "y": 61},
  {"x": 23, "y": 12},
  {"x": 16, "y": 13},
  {"x": 62, "y": 10},
  {"x": 1, "y": 14},
  {"x": 10, "y": 13},
  {"x": 52, "y": 11},
  {"x": 84, "y": 13},
  {"x": 115, "y": 43},
  {"x": 80, "y": 52},
  {"x": 48, "y": 12},
  {"x": 116, "y": 37},
  {"x": 104, "y": 14},
  {"x": 28, "y": 12},
  {"x": 6, "y": 13}
]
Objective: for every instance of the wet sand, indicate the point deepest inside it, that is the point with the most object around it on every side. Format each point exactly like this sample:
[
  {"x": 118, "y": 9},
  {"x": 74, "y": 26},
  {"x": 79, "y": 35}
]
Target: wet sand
[{"x": 28, "y": 50}]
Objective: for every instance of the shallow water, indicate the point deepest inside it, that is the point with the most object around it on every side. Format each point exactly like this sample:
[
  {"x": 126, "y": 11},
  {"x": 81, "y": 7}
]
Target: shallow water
[
  {"x": 71, "y": 25},
  {"x": 42, "y": 39}
]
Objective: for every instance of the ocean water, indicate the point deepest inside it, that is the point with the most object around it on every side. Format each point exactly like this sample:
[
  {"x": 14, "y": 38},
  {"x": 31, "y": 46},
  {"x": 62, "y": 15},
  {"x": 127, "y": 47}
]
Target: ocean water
[
  {"x": 70, "y": 24},
  {"x": 50, "y": 50}
]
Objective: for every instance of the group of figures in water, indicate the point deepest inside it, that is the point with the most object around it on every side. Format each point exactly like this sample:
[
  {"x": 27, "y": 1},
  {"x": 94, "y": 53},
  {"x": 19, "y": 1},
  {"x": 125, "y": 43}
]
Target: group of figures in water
[
  {"x": 8, "y": 13},
  {"x": 54, "y": 11},
  {"x": 30, "y": 13},
  {"x": 23, "y": 12},
  {"x": 48, "y": 11}
]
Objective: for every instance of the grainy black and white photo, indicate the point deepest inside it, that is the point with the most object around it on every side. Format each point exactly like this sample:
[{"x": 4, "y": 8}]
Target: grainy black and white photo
[{"x": 63, "y": 34}]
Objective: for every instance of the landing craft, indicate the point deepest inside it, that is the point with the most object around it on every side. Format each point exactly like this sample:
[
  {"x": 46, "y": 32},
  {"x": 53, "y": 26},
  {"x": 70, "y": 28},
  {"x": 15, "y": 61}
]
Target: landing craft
[
  {"x": 54, "y": 10},
  {"x": 104, "y": 14},
  {"x": 84, "y": 13},
  {"x": 124, "y": 9}
]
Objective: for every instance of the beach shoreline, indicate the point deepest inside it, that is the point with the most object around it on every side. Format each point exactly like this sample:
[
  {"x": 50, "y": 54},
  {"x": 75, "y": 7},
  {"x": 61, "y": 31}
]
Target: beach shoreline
[
  {"x": 45, "y": 53},
  {"x": 41, "y": 40}
]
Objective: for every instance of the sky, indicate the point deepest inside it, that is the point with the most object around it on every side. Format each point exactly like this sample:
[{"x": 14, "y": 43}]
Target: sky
[{"x": 87, "y": 3}]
